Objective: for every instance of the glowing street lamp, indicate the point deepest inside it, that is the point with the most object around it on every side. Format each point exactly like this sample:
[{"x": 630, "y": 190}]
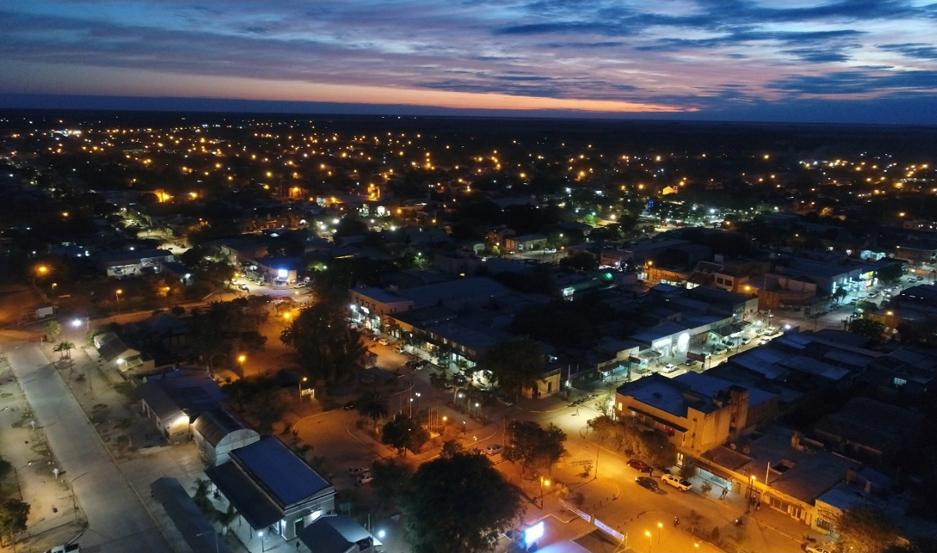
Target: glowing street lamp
[
  {"x": 117, "y": 294},
  {"x": 650, "y": 543},
  {"x": 42, "y": 270},
  {"x": 544, "y": 483}
]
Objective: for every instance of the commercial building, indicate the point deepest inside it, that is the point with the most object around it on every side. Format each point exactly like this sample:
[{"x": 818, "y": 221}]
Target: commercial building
[{"x": 274, "y": 492}]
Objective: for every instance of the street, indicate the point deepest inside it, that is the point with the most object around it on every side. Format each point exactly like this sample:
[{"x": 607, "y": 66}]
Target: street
[{"x": 117, "y": 519}]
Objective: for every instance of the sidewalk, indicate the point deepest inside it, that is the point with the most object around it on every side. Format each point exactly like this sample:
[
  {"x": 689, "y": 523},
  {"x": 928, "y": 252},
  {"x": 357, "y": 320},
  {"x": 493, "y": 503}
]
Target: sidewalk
[{"x": 53, "y": 516}]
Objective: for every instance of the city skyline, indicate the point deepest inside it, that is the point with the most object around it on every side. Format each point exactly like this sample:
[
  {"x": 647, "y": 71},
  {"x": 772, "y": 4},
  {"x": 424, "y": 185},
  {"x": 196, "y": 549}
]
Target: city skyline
[{"x": 844, "y": 61}]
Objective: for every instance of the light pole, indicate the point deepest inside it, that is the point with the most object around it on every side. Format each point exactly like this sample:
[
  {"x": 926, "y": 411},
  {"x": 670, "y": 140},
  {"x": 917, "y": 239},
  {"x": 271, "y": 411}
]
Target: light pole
[
  {"x": 650, "y": 543},
  {"x": 117, "y": 294},
  {"x": 260, "y": 533},
  {"x": 303, "y": 379},
  {"x": 660, "y": 531},
  {"x": 242, "y": 358},
  {"x": 544, "y": 482}
]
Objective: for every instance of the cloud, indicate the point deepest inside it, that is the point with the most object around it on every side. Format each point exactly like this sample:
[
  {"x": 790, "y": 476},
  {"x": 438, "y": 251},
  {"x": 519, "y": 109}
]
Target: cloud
[
  {"x": 913, "y": 50},
  {"x": 858, "y": 82}
]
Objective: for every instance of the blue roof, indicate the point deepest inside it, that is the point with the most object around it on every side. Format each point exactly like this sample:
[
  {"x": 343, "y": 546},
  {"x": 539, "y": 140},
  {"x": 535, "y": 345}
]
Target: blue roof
[{"x": 279, "y": 471}]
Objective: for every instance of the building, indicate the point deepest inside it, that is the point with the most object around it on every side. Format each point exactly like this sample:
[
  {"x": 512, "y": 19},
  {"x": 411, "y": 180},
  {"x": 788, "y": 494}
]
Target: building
[
  {"x": 173, "y": 400},
  {"x": 130, "y": 263},
  {"x": 273, "y": 490},
  {"x": 780, "y": 469},
  {"x": 217, "y": 432},
  {"x": 337, "y": 534},
  {"x": 525, "y": 243},
  {"x": 114, "y": 352},
  {"x": 697, "y": 412}
]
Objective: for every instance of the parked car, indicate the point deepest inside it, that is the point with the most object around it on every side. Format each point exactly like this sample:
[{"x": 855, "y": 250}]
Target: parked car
[
  {"x": 818, "y": 548},
  {"x": 680, "y": 483},
  {"x": 669, "y": 368},
  {"x": 493, "y": 449},
  {"x": 647, "y": 482},
  {"x": 65, "y": 548},
  {"x": 639, "y": 465},
  {"x": 365, "y": 478},
  {"x": 350, "y": 406},
  {"x": 383, "y": 341},
  {"x": 358, "y": 470}
]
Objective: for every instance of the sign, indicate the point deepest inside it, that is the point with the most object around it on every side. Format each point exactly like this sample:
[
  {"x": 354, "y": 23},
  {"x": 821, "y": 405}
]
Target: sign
[
  {"x": 533, "y": 533},
  {"x": 307, "y": 392},
  {"x": 615, "y": 534}
]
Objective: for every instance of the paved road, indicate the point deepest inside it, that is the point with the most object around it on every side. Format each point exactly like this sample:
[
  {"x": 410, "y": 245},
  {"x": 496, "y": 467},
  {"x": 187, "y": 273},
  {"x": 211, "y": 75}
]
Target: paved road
[{"x": 118, "y": 522}]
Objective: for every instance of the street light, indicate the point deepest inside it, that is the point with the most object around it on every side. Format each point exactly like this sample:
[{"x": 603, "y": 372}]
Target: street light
[
  {"x": 650, "y": 544},
  {"x": 117, "y": 294},
  {"x": 304, "y": 379},
  {"x": 260, "y": 533},
  {"x": 42, "y": 270},
  {"x": 544, "y": 482},
  {"x": 660, "y": 530}
]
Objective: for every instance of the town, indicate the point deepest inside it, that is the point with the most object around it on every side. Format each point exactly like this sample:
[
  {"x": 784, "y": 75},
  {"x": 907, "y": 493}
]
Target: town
[{"x": 328, "y": 334}]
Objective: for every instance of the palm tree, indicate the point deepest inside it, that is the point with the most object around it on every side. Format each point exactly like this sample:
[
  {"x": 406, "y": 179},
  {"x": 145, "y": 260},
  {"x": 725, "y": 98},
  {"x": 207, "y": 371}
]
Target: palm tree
[
  {"x": 373, "y": 406},
  {"x": 65, "y": 349}
]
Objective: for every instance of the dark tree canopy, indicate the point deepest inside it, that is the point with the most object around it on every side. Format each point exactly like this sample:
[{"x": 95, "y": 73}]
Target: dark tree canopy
[
  {"x": 515, "y": 364},
  {"x": 866, "y": 529},
  {"x": 326, "y": 348},
  {"x": 459, "y": 504},
  {"x": 534, "y": 446},
  {"x": 403, "y": 433}
]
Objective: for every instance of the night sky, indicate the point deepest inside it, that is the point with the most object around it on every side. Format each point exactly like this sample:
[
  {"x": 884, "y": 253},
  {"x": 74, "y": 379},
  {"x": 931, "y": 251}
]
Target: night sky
[{"x": 867, "y": 61}]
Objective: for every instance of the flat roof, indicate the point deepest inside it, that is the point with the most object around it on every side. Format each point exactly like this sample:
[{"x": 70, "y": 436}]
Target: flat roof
[{"x": 278, "y": 470}]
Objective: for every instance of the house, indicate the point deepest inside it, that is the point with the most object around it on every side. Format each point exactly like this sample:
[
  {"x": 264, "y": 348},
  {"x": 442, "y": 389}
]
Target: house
[
  {"x": 189, "y": 520},
  {"x": 114, "y": 352},
  {"x": 337, "y": 534},
  {"x": 217, "y": 432},
  {"x": 696, "y": 412},
  {"x": 274, "y": 492},
  {"x": 128, "y": 263},
  {"x": 868, "y": 430},
  {"x": 173, "y": 400},
  {"x": 525, "y": 243},
  {"x": 782, "y": 470}
]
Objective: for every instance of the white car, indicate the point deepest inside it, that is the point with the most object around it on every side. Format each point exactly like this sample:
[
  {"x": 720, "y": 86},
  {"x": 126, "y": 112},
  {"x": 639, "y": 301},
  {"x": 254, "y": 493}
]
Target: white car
[
  {"x": 817, "y": 548},
  {"x": 680, "y": 483},
  {"x": 358, "y": 470},
  {"x": 365, "y": 478},
  {"x": 493, "y": 449},
  {"x": 65, "y": 548},
  {"x": 669, "y": 368},
  {"x": 383, "y": 341}
]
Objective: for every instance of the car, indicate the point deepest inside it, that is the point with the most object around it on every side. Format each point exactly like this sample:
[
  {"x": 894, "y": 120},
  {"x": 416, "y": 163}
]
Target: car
[
  {"x": 680, "y": 483},
  {"x": 669, "y": 368},
  {"x": 764, "y": 341},
  {"x": 365, "y": 478},
  {"x": 65, "y": 548},
  {"x": 358, "y": 470},
  {"x": 400, "y": 349},
  {"x": 493, "y": 449},
  {"x": 350, "y": 406},
  {"x": 383, "y": 341},
  {"x": 639, "y": 465},
  {"x": 818, "y": 548},
  {"x": 647, "y": 482},
  {"x": 244, "y": 287}
]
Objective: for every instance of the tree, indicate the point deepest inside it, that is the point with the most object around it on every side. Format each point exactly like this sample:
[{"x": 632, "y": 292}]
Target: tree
[
  {"x": 580, "y": 261},
  {"x": 625, "y": 435},
  {"x": 515, "y": 364},
  {"x": 53, "y": 330},
  {"x": 839, "y": 294},
  {"x": 13, "y": 516},
  {"x": 867, "y": 327},
  {"x": 891, "y": 273},
  {"x": 867, "y": 529},
  {"x": 458, "y": 505},
  {"x": 64, "y": 349},
  {"x": 403, "y": 433},
  {"x": 451, "y": 448},
  {"x": 535, "y": 446},
  {"x": 326, "y": 348},
  {"x": 391, "y": 480},
  {"x": 260, "y": 400},
  {"x": 373, "y": 406}
]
